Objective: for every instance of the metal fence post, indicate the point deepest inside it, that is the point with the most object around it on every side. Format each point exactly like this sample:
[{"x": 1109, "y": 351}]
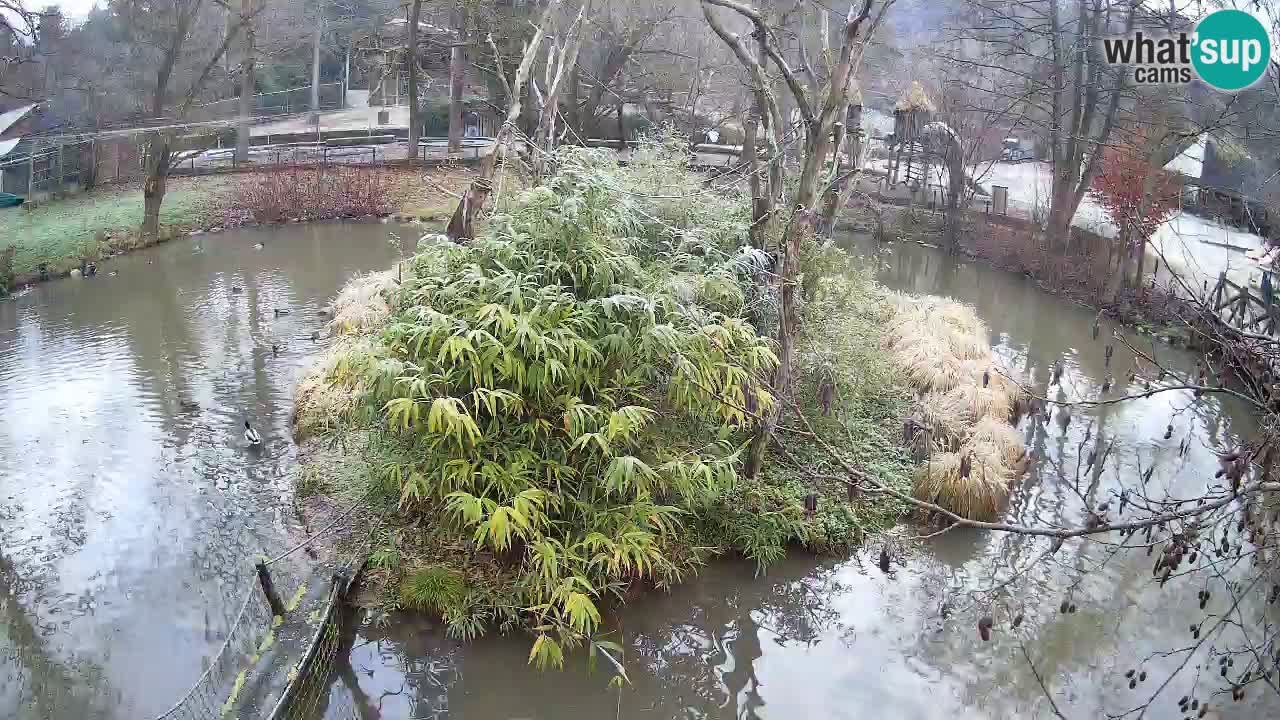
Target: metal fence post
[{"x": 269, "y": 588}]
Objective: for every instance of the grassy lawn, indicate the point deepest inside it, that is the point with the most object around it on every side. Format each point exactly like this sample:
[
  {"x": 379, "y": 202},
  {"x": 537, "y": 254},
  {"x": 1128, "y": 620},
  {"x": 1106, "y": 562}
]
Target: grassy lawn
[
  {"x": 60, "y": 232},
  {"x": 94, "y": 224}
]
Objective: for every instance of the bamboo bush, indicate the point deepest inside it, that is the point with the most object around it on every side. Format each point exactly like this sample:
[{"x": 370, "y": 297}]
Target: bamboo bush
[
  {"x": 556, "y": 411},
  {"x": 532, "y": 374}
]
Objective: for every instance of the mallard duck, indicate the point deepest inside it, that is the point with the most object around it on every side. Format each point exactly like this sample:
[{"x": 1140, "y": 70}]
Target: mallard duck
[
  {"x": 251, "y": 436},
  {"x": 315, "y": 336},
  {"x": 276, "y": 348},
  {"x": 236, "y": 289},
  {"x": 257, "y": 246}
]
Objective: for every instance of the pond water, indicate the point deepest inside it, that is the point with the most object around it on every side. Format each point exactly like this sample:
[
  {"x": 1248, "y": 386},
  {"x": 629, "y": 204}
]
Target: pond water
[{"x": 129, "y": 508}]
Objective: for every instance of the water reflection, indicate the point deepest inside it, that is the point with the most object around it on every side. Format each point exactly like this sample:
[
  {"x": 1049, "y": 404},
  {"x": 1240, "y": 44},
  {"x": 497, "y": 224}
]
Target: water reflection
[
  {"x": 129, "y": 507},
  {"x": 840, "y": 639}
]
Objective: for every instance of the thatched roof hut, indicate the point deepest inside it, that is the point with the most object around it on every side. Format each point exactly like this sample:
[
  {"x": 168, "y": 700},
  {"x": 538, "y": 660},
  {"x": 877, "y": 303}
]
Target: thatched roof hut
[
  {"x": 913, "y": 111},
  {"x": 915, "y": 98}
]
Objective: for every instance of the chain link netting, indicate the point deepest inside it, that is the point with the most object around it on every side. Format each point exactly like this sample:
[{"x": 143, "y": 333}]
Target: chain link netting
[
  {"x": 306, "y": 698},
  {"x": 307, "y": 694},
  {"x": 212, "y": 696}
]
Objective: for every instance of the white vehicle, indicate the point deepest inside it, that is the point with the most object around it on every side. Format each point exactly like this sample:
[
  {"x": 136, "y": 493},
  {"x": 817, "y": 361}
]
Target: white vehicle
[{"x": 1013, "y": 151}]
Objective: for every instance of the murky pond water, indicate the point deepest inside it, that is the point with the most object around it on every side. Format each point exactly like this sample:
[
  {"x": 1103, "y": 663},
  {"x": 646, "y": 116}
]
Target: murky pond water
[
  {"x": 130, "y": 506},
  {"x": 837, "y": 638},
  {"x": 129, "y": 509}
]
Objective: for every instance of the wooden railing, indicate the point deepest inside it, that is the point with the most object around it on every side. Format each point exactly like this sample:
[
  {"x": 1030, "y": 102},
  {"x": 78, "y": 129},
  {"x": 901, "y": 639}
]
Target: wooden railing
[{"x": 1245, "y": 310}]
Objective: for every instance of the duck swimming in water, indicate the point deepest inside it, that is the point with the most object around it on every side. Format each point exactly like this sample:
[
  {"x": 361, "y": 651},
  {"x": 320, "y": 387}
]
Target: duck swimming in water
[
  {"x": 251, "y": 436},
  {"x": 280, "y": 311}
]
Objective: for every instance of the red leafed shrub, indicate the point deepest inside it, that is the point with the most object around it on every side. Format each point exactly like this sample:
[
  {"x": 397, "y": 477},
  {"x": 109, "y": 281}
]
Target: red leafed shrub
[
  {"x": 1118, "y": 188},
  {"x": 1078, "y": 273},
  {"x": 314, "y": 193}
]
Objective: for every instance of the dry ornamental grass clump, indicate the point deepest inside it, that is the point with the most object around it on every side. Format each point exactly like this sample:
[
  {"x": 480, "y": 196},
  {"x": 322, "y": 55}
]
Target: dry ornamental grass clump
[{"x": 967, "y": 401}]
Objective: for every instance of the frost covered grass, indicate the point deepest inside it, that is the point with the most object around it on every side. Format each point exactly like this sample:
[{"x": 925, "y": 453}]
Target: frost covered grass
[{"x": 93, "y": 224}]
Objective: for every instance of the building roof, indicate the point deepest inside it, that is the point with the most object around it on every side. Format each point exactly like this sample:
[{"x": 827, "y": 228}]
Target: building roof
[
  {"x": 8, "y": 119},
  {"x": 8, "y": 145},
  {"x": 1190, "y": 162}
]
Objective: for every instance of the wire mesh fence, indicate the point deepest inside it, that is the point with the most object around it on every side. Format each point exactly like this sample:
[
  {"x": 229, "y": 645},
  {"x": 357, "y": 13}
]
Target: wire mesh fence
[
  {"x": 214, "y": 693},
  {"x": 307, "y": 695},
  {"x": 272, "y": 104},
  {"x": 267, "y": 156}
]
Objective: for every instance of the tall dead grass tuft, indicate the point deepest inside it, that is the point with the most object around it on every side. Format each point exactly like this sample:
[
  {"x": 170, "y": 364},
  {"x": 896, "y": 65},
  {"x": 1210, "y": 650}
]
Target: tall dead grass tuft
[
  {"x": 980, "y": 496},
  {"x": 320, "y": 402},
  {"x": 967, "y": 401},
  {"x": 1003, "y": 438},
  {"x": 362, "y": 305}
]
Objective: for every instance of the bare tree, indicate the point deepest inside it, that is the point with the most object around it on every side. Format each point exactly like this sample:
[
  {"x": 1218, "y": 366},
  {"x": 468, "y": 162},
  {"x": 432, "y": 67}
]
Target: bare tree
[
  {"x": 621, "y": 32},
  {"x": 248, "y": 10},
  {"x": 177, "y": 38},
  {"x": 462, "y": 223},
  {"x": 819, "y": 112},
  {"x": 1033, "y": 53},
  {"x": 19, "y": 28},
  {"x": 561, "y": 56}
]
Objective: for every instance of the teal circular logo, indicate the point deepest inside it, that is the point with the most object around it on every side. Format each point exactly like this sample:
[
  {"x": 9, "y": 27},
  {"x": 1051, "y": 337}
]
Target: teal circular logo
[{"x": 1232, "y": 49}]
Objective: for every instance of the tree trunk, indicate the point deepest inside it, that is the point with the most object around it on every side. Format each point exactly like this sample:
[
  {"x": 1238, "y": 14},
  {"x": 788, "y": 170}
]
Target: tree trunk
[
  {"x": 837, "y": 196},
  {"x": 457, "y": 77},
  {"x": 247, "y": 83},
  {"x": 315, "y": 59},
  {"x": 622, "y": 125},
  {"x": 572, "y": 112},
  {"x": 415, "y": 121},
  {"x": 853, "y": 134},
  {"x": 751, "y": 160},
  {"x": 153, "y": 186}
]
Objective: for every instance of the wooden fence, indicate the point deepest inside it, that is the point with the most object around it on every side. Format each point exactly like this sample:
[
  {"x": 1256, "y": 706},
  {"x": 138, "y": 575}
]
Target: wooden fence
[{"x": 1246, "y": 310}]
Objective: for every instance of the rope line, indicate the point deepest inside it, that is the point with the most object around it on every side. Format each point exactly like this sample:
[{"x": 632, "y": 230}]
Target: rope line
[{"x": 322, "y": 531}]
